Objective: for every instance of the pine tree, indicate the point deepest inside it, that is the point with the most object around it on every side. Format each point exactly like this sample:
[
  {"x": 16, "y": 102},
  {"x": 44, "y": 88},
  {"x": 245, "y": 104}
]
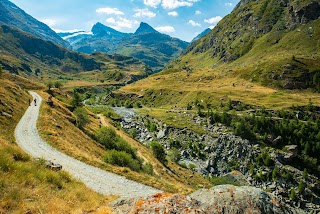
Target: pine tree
[
  {"x": 292, "y": 195},
  {"x": 301, "y": 187},
  {"x": 275, "y": 174}
]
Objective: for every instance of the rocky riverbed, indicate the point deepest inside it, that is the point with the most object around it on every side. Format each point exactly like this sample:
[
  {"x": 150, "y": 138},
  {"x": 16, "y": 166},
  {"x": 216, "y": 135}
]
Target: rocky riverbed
[{"x": 217, "y": 151}]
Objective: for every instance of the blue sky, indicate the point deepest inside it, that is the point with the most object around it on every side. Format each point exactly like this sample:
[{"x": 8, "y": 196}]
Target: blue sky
[{"x": 183, "y": 19}]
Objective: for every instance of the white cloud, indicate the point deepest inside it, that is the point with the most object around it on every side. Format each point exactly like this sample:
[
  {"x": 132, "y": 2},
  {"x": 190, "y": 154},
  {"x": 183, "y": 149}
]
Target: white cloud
[
  {"x": 213, "y": 20},
  {"x": 109, "y": 11},
  {"x": 211, "y": 27},
  {"x": 77, "y": 34},
  {"x": 194, "y": 24},
  {"x": 49, "y": 22},
  {"x": 165, "y": 29},
  {"x": 170, "y": 4},
  {"x": 121, "y": 23},
  {"x": 144, "y": 13},
  {"x": 198, "y": 12},
  {"x": 67, "y": 31},
  {"x": 152, "y": 3},
  {"x": 173, "y": 13},
  {"x": 173, "y": 4},
  {"x": 228, "y": 4}
]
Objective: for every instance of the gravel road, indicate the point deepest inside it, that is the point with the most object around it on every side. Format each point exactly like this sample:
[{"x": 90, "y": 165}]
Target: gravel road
[{"x": 103, "y": 182}]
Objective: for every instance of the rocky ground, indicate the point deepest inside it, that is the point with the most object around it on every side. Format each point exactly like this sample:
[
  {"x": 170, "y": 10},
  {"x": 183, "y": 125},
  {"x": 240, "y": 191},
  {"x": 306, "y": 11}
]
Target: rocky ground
[
  {"x": 219, "y": 151},
  {"x": 225, "y": 199}
]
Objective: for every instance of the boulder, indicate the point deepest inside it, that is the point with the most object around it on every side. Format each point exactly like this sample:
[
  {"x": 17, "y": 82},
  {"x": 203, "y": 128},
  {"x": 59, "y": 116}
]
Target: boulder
[
  {"x": 226, "y": 199},
  {"x": 52, "y": 166},
  {"x": 162, "y": 133},
  {"x": 231, "y": 199}
]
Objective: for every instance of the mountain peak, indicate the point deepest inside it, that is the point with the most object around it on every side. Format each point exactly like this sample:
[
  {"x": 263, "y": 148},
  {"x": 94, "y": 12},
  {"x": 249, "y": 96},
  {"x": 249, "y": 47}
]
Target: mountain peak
[
  {"x": 100, "y": 29},
  {"x": 202, "y": 34},
  {"x": 145, "y": 28}
]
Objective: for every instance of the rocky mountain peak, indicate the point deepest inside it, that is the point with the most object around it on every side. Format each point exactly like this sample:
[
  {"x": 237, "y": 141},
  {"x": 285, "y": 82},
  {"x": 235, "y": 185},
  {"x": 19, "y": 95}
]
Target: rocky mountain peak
[
  {"x": 100, "y": 29},
  {"x": 145, "y": 28}
]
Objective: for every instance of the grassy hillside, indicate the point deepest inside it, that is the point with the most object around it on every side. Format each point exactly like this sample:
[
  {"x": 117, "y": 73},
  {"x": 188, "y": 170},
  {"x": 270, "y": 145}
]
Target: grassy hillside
[
  {"x": 275, "y": 43},
  {"x": 26, "y": 186},
  {"x": 44, "y": 61},
  {"x": 57, "y": 126}
]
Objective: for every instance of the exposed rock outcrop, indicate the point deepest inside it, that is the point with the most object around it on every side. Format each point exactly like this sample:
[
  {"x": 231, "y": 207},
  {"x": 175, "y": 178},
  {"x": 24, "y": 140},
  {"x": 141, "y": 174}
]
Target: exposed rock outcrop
[{"x": 226, "y": 199}]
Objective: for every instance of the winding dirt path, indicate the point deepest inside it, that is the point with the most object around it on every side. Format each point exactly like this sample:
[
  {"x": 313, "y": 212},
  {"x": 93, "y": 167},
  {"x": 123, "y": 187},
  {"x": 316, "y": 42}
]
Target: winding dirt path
[{"x": 103, "y": 182}]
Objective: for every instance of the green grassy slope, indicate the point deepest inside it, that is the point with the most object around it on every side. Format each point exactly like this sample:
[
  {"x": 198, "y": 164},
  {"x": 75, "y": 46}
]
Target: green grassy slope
[{"x": 272, "y": 42}]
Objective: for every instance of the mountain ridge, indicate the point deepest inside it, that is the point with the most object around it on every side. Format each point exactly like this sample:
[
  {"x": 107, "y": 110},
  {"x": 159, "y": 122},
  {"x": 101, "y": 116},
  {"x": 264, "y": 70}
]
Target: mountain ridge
[
  {"x": 146, "y": 44},
  {"x": 25, "y": 54},
  {"x": 12, "y": 15}
]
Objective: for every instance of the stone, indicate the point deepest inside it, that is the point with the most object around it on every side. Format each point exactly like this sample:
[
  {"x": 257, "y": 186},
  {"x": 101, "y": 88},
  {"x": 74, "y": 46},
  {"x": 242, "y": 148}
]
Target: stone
[
  {"x": 277, "y": 140},
  {"x": 52, "y": 166},
  {"x": 292, "y": 149},
  {"x": 185, "y": 154},
  {"x": 162, "y": 133},
  {"x": 6, "y": 114}
]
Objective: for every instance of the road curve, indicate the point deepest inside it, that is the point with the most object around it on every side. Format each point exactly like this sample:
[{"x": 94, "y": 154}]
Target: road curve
[{"x": 106, "y": 183}]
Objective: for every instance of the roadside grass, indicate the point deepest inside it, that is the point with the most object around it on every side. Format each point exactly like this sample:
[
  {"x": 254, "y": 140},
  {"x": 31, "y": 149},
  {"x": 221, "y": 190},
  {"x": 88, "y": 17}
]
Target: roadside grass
[{"x": 26, "y": 185}]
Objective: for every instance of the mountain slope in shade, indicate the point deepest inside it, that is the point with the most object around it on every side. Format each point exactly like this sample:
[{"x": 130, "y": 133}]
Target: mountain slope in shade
[
  {"x": 22, "y": 53},
  {"x": 13, "y": 16},
  {"x": 146, "y": 44},
  {"x": 272, "y": 42},
  {"x": 202, "y": 34}
]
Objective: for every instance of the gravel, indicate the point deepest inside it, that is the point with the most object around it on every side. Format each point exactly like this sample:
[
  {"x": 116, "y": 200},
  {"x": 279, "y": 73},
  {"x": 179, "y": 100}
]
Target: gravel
[{"x": 103, "y": 182}]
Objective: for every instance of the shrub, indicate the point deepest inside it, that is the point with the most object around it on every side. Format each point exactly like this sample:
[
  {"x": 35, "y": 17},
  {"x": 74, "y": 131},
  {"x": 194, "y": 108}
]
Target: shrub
[
  {"x": 57, "y": 84},
  {"x": 123, "y": 159},
  {"x": 82, "y": 118},
  {"x": 158, "y": 151},
  {"x": 147, "y": 168},
  {"x": 174, "y": 155},
  {"x": 1, "y": 71},
  {"x": 77, "y": 100},
  {"x": 49, "y": 85},
  {"x": 110, "y": 140},
  {"x": 133, "y": 132}
]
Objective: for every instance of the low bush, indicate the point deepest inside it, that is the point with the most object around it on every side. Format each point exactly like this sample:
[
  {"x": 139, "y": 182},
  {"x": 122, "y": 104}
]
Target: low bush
[{"x": 123, "y": 159}]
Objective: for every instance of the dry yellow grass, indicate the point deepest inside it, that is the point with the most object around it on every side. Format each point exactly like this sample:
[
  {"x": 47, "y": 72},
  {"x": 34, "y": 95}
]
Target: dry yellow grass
[
  {"x": 26, "y": 186},
  {"x": 211, "y": 84}
]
